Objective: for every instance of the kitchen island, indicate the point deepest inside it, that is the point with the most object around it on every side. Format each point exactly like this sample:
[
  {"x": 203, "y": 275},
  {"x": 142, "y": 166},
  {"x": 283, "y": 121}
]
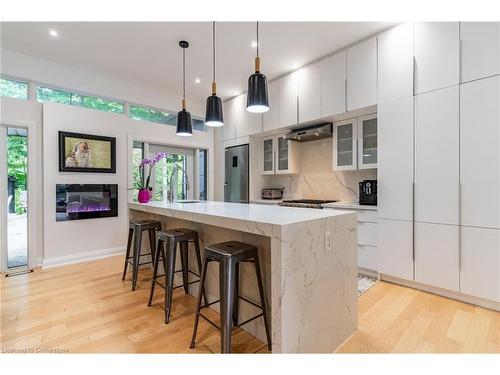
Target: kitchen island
[{"x": 308, "y": 260}]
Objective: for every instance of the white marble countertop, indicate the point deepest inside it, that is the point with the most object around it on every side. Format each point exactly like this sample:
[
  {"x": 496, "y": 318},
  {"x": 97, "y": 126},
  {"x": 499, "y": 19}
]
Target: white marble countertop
[
  {"x": 255, "y": 213},
  {"x": 349, "y": 205}
]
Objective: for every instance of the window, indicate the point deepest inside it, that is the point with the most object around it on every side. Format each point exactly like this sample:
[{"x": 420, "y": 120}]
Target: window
[
  {"x": 13, "y": 89},
  {"x": 46, "y": 94},
  {"x": 153, "y": 115},
  {"x": 199, "y": 125}
]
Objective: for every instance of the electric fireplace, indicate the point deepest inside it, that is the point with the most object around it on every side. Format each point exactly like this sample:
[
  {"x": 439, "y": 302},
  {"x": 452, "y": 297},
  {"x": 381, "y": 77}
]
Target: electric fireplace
[{"x": 87, "y": 201}]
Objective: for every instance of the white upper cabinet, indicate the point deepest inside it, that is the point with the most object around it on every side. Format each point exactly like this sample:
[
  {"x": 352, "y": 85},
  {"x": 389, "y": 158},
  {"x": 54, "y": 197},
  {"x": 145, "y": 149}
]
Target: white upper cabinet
[
  {"x": 287, "y": 103},
  {"x": 395, "y": 63},
  {"x": 395, "y": 159},
  {"x": 270, "y": 119},
  {"x": 309, "y": 93},
  {"x": 247, "y": 123},
  {"x": 279, "y": 155},
  {"x": 333, "y": 84},
  {"x": 345, "y": 138},
  {"x": 437, "y": 156},
  {"x": 480, "y": 46},
  {"x": 268, "y": 155},
  {"x": 480, "y": 152},
  {"x": 437, "y": 60},
  {"x": 362, "y": 75},
  {"x": 367, "y": 142},
  {"x": 229, "y": 128}
]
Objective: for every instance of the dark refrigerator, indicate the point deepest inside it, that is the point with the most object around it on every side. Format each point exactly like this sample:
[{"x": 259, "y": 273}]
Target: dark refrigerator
[{"x": 236, "y": 174}]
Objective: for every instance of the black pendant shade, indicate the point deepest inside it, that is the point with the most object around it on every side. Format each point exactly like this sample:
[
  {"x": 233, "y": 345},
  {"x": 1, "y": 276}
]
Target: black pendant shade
[
  {"x": 184, "y": 124},
  {"x": 257, "y": 95},
  {"x": 213, "y": 114}
]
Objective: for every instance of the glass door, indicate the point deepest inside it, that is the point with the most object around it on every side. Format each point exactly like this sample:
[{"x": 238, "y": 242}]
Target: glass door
[
  {"x": 268, "y": 156},
  {"x": 368, "y": 137},
  {"x": 165, "y": 181},
  {"x": 283, "y": 155},
  {"x": 345, "y": 145},
  {"x": 14, "y": 206}
]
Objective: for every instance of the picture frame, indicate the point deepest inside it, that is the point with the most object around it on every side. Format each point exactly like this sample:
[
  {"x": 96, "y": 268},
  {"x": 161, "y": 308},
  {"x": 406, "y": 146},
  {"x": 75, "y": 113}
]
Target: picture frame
[{"x": 87, "y": 153}]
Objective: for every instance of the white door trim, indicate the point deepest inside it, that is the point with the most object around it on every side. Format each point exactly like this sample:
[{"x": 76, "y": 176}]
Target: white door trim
[{"x": 35, "y": 194}]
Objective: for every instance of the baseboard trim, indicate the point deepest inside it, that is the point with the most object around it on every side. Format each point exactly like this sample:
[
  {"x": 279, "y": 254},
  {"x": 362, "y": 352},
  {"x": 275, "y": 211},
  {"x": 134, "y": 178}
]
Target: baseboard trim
[
  {"x": 489, "y": 304},
  {"x": 82, "y": 257},
  {"x": 367, "y": 272}
]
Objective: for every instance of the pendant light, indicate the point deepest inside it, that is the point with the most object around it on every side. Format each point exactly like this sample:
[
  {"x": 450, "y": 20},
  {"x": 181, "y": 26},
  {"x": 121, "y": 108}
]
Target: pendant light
[
  {"x": 184, "y": 124},
  {"x": 213, "y": 114},
  {"x": 257, "y": 96}
]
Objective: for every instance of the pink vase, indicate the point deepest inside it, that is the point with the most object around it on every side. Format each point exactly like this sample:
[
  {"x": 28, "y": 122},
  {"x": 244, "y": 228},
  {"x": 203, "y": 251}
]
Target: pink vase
[{"x": 143, "y": 196}]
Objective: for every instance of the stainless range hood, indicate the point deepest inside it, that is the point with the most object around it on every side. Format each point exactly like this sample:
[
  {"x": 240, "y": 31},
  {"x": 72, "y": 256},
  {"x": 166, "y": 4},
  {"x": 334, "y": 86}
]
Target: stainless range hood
[{"x": 310, "y": 133}]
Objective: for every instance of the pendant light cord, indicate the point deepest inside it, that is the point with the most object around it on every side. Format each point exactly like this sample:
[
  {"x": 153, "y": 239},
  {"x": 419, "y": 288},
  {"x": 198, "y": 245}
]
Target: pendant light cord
[
  {"x": 257, "y": 38},
  {"x": 213, "y": 46},
  {"x": 184, "y": 73}
]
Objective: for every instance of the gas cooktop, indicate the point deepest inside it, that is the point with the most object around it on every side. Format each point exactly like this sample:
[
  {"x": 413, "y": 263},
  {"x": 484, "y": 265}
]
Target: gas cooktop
[{"x": 305, "y": 203}]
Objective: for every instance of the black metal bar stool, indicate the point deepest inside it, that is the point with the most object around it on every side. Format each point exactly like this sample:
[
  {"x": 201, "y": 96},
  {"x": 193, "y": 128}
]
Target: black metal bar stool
[
  {"x": 171, "y": 238},
  {"x": 229, "y": 255},
  {"x": 136, "y": 227}
]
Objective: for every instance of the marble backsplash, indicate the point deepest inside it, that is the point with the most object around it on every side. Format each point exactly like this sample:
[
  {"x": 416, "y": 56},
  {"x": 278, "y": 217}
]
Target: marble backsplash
[{"x": 316, "y": 179}]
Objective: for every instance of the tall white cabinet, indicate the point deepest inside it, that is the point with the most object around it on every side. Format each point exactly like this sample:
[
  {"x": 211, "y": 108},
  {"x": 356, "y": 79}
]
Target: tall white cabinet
[
  {"x": 437, "y": 60},
  {"x": 480, "y": 153},
  {"x": 395, "y": 156},
  {"x": 437, "y": 156},
  {"x": 480, "y": 46},
  {"x": 480, "y": 184}
]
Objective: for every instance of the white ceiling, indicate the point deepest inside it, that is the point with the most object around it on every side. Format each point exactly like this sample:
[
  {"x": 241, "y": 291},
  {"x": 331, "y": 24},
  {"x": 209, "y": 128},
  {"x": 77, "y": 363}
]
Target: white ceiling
[{"x": 147, "y": 53}]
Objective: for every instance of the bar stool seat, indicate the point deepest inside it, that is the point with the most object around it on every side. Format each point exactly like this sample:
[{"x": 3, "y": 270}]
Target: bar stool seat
[
  {"x": 170, "y": 238},
  {"x": 231, "y": 249},
  {"x": 136, "y": 227},
  {"x": 229, "y": 255}
]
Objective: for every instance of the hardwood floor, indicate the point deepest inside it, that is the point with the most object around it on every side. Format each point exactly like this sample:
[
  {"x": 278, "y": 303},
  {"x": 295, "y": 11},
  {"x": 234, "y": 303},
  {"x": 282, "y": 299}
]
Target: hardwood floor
[
  {"x": 397, "y": 319},
  {"x": 86, "y": 308}
]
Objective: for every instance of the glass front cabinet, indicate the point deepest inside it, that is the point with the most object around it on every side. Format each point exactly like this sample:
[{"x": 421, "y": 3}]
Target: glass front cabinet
[
  {"x": 268, "y": 156},
  {"x": 355, "y": 143},
  {"x": 279, "y": 155}
]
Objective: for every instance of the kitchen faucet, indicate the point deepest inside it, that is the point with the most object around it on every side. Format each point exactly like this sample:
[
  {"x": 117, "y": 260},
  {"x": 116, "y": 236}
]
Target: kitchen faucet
[{"x": 170, "y": 192}]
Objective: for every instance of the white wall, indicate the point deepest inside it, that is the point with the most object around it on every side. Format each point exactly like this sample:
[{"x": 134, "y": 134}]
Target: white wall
[
  {"x": 34, "y": 69},
  {"x": 74, "y": 240}
]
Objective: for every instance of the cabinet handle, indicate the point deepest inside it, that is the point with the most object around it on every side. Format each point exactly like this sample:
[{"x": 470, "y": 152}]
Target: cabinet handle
[
  {"x": 460, "y": 60},
  {"x": 345, "y": 94},
  {"x": 414, "y": 75}
]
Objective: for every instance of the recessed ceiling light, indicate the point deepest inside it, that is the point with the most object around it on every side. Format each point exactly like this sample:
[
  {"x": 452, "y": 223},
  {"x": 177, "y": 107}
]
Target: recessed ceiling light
[
  {"x": 197, "y": 80},
  {"x": 254, "y": 44},
  {"x": 53, "y": 33}
]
